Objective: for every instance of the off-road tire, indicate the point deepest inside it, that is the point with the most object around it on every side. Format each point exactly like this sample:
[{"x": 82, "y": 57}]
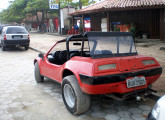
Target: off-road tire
[
  {"x": 82, "y": 100},
  {"x": 26, "y": 47},
  {"x": 37, "y": 74}
]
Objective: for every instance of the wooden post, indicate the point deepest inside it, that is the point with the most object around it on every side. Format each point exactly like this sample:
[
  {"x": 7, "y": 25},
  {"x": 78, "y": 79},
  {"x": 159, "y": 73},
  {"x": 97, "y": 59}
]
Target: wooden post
[
  {"x": 108, "y": 22},
  {"x": 161, "y": 24},
  {"x": 72, "y": 21},
  {"x": 83, "y": 23}
]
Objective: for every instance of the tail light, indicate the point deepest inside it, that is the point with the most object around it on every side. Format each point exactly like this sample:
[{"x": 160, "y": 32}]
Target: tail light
[
  {"x": 148, "y": 62},
  {"x": 28, "y": 36},
  {"x": 4, "y": 36},
  {"x": 107, "y": 66}
]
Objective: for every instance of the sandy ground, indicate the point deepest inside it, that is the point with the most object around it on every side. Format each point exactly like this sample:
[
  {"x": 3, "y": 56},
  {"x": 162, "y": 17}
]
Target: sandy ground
[{"x": 154, "y": 51}]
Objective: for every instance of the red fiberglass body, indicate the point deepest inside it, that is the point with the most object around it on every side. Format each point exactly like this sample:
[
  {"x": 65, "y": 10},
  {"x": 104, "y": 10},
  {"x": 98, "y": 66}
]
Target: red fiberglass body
[{"x": 97, "y": 70}]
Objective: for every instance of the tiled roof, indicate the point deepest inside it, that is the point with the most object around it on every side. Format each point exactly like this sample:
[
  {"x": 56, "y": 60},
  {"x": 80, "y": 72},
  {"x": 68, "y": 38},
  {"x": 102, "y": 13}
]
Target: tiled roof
[
  {"x": 132, "y": 3},
  {"x": 110, "y": 4}
]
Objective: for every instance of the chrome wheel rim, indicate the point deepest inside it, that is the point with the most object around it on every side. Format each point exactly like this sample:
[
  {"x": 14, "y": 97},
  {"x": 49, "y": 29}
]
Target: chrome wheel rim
[{"x": 69, "y": 96}]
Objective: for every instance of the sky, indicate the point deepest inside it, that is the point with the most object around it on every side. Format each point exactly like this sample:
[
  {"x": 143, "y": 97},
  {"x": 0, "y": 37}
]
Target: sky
[{"x": 4, "y": 4}]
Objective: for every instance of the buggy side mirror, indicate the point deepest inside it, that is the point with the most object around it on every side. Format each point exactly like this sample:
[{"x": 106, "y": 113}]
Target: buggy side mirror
[{"x": 41, "y": 56}]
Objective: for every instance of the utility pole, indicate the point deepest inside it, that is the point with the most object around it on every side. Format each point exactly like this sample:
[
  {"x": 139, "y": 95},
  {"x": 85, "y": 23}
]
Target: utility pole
[{"x": 59, "y": 18}]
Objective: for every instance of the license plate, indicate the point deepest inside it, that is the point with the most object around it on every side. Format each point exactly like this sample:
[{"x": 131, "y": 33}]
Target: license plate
[
  {"x": 17, "y": 45},
  {"x": 136, "y": 81},
  {"x": 17, "y": 37}
]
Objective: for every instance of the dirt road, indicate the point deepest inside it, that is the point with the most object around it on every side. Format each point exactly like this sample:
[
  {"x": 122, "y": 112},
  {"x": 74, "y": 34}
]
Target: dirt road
[{"x": 154, "y": 51}]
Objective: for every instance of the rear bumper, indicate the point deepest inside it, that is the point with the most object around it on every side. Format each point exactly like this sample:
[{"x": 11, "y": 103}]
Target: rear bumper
[
  {"x": 98, "y": 80},
  {"x": 16, "y": 42},
  {"x": 116, "y": 83}
]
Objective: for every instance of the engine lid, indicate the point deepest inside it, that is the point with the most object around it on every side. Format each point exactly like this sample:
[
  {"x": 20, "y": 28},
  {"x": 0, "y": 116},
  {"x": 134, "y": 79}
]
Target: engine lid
[{"x": 130, "y": 64}]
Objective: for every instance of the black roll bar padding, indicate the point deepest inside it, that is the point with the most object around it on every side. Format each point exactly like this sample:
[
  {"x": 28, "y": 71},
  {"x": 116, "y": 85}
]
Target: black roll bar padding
[
  {"x": 67, "y": 45},
  {"x": 83, "y": 43},
  {"x": 67, "y": 42},
  {"x": 82, "y": 47}
]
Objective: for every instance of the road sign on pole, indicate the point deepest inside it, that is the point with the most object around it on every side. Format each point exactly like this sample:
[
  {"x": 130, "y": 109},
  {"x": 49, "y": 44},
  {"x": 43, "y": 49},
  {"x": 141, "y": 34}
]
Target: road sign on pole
[{"x": 53, "y": 4}]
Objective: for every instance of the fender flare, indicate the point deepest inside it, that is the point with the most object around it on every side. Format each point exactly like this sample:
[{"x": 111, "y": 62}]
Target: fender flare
[
  {"x": 71, "y": 72},
  {"x": 38, "y": 60}
]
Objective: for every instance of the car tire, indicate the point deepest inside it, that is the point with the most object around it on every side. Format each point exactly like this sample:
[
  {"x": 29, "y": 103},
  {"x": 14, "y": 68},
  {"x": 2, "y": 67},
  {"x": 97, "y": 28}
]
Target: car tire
[
  {"x": 38, "y": 77},
  {"x": 75, "y": 100},
  {"x": 3, "y": 48},
  {"x": 26, "y": 47}
]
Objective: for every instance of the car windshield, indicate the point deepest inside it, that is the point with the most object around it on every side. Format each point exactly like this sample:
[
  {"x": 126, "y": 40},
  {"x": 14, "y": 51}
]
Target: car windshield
[
  {"x": 16, "y": 30},
  {"x": 111, "y": 44},
  {"x": 1, "y": 27}
]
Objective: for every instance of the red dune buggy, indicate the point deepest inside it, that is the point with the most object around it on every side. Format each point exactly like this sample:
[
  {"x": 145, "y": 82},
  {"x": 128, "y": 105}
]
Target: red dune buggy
[{"x": 97, "y": 63}]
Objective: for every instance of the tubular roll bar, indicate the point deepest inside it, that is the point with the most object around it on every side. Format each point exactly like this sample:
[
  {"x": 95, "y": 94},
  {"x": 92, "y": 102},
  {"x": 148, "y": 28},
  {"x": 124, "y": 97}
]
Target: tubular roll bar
[{"x": 70, "y": 38}]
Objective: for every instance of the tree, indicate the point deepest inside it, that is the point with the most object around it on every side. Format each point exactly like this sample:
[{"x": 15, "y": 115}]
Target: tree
[
  {"x": 78, "y": 4},
  {"x": 42, "y": 6},
  {"x": 18, "y": 9},
  {"x": 35, "y": 6},
  {"x": 14, "y": 13}
]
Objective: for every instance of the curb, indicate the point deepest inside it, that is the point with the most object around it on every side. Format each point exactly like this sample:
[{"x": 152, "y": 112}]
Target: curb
[
  {"x": 36, "y": 50},
  {"x": 47, "y": 34},
  {"x": 50, "y": 33},
  {"x": 57, "y": 34}
]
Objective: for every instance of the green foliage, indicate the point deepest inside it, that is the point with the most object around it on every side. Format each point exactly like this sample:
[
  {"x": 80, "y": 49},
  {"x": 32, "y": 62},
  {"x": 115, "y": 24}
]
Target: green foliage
[
  {"x": 18, "y": 9},
  {"x": 37, "y": 5},
  {"x": 133, "y": 30},
  {"x": 76, "y": 3},
  {"x": 116, "y": 29},
  {"x": 14, "y": 12}
]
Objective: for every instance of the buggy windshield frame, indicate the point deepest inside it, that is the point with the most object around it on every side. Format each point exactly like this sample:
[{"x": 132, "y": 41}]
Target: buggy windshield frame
[
  {"x": 110, "y": 44},
  {"x": 105, "y": 44}
]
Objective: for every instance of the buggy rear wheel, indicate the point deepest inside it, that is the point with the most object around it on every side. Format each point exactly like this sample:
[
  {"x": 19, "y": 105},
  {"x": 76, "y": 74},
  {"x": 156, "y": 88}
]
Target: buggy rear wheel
[{"x": 75, "y": 100}]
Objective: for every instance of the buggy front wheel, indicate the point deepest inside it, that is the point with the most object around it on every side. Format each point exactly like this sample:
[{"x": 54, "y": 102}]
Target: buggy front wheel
[{"x": 37, "y": 74}]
